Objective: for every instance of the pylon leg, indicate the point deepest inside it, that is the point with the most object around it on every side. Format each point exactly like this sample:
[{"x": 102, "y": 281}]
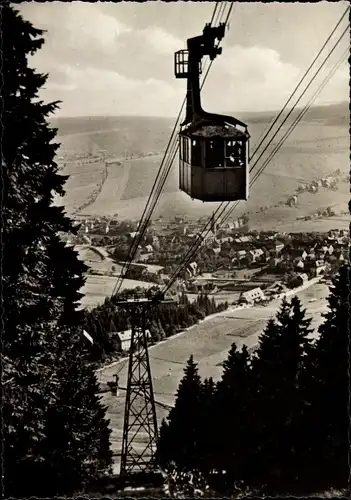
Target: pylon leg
[{"x": 140, "y": 432}]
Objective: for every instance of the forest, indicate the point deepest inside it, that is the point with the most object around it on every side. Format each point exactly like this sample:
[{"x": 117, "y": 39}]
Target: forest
[
  {"x": 278, "y": 420},
  {"x": 104, "y": 321}
]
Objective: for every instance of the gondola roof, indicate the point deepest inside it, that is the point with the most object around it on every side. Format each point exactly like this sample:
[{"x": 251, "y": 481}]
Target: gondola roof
[{"x": 207, "y": 130}]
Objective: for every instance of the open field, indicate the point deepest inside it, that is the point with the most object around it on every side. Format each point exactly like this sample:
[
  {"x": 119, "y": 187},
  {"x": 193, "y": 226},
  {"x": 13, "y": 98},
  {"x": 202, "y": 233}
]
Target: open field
[
  {"x": 82, "y": 183},
  {"x": 97, "y": 288},
  {"x": 314, "y": 149},
  {"x": 95, "y": 259},
  {"x": 123, "y": 185},
  {"x": 209, "y": 342},
  {"x": 283, "y": 218}
]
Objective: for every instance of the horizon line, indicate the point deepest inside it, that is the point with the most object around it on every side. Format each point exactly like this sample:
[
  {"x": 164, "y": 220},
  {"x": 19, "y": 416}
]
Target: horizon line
[{"x": 174, "y": 117}]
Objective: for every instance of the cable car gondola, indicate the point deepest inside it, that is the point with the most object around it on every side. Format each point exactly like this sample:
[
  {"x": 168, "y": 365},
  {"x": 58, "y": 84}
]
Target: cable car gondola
[{"x": 213, "y": 149}]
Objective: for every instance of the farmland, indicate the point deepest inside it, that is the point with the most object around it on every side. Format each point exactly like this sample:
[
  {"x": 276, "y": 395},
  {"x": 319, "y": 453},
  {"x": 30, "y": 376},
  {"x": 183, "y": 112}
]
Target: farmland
[
  {"x": 313, "y": 150},
  {"x": 98, "y": 287},
  {"x": 102, "y": 282}
]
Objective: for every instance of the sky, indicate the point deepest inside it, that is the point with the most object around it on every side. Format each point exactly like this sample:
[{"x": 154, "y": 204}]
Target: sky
[{"x": 117, "y": 59}]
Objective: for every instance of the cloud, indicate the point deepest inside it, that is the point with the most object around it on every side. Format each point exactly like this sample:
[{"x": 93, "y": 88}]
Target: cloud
[
  {"x": 160, "y": 40},
  {"x": 88, "y": 37},
  {"x": 98, "y": 64},
  {"x": 256, "y": 79},
  {"x": 103, "y": 92}
]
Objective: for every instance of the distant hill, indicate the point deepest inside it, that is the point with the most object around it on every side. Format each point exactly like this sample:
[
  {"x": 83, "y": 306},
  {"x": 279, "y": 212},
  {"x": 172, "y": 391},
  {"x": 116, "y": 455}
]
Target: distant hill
[
  {"x": 313, "y": 150},
  {"x": 330, "y": 114}
]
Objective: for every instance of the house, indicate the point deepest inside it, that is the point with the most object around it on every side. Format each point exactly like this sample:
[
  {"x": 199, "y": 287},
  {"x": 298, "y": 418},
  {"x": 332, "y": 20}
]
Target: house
[
  {"x": 300, "y": 264},
  {"x": 253, "y": 295},
  {"x": 301, "y": 279},
  {"x": 274, "y": 261},
  {"x": 226, "y": 239},
  {"x": 311, "y": 255},
  {"x": 316, "y": 268},
  {"x": 319, "y": 267},
  {"x": 239, "y": 256},
  {"x": 339, "y": 256},
  {"x": 144, "y": 257},
  {"x": 211, "y": 252},
  {"x": 123, "y": 340},
  {"x": 228, "y": 225},
  {"x": 209, "y": 236},
  {"x": 254, "y": 255},
  {"x": 302, "y": 254},
  {"x": 149, "y": 249},
  {"x": 278, "y": 247},
  {"x": 133, "y": 235},
  {"x": 330, "y": 249},
  {"x": 295, "y": 254}
]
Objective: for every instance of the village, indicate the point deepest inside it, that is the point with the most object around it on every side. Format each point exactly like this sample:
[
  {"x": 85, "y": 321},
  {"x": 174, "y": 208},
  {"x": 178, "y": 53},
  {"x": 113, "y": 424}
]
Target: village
[{"x": 233, "y": 266}]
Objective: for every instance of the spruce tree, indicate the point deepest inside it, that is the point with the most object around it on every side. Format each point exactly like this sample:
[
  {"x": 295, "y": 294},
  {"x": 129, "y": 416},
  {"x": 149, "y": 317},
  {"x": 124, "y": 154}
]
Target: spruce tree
[
  {"x": 278, "y": 369},
  {"x": 49, "y": 386},
  {"x": 328, "y": 416},
  {"x": 206, "y": 427},
  {"x": 233, "y": 410},
  {"x": 182, "y": 437}
]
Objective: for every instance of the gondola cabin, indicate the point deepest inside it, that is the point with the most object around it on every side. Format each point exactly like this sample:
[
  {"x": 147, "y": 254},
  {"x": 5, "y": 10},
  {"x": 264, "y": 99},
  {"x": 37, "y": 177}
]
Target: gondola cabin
[
  {"x": 213, "y": 148},
  {"x": 213, "y": 163}
]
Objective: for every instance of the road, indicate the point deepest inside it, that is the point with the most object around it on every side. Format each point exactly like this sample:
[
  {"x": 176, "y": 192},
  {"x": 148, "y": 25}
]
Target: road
[{"x": 209, "y": 343}]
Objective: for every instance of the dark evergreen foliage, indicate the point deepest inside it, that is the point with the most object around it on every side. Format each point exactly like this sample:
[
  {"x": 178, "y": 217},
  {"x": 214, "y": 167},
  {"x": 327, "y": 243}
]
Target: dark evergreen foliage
[
  {"x": 328, "y": 382},
  {"x": 168, "y": 319},
  {"x": 233, "y": 423},
  {"x": 181, "y": 437},
  {"x": 54, "y": 426},
  {"x": 277, "y": 370},
  {"x": 277, "y": 422}
]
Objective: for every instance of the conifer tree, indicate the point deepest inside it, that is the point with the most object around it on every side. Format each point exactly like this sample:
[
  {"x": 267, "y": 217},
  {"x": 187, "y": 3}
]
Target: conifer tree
[
  {"x": 328, "y": 416},
  {"x": 182, "y": 436},
  {"x": 42, "y": 336},
  {"x": 277, "y": 368},
  {"x": 206, "y": 427},
  {"x": 233, "y": 408}
]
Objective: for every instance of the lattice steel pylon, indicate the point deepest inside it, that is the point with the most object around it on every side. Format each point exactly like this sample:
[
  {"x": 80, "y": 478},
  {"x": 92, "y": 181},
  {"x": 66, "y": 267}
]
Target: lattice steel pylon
[{"x": 140, "y": 433}]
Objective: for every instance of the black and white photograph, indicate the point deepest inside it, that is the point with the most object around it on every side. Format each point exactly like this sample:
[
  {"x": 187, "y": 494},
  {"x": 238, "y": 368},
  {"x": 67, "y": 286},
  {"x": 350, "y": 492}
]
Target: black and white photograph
[{"x": 175, "y": 252}]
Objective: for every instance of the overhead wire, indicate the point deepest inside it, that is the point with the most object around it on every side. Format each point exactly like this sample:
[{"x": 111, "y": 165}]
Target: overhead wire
[
  {"x": 214, "y": 13},
  {"x": 302, "y": 113},
  {"x": 162, "y": 175},
  {"x": 196, "y": 244},
  {"x": 144, "y": 220},
  {"x": 224, "y": 205},
  {"x": 295, "y": 123},
  {"x": 303, "y": 93},
  {"x": 300, "y": 82}
]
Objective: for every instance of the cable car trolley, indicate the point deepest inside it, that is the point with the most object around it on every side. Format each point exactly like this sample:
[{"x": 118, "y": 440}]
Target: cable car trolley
[{"x": 213, "y": 148}]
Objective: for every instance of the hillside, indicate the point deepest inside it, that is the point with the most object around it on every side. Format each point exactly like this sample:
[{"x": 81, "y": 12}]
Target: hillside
[
  {"x": 333, "y": 114},
  {"x": 313, "y": 150}
]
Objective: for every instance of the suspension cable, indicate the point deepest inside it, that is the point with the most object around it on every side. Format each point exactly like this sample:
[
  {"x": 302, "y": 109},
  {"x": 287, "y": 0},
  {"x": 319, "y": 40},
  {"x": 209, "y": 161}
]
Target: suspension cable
[
  {"x": 143, "y": 223},
  {"x": 296, "y": 121},
  {"x": 303, "y": 93},
  {"x": 190, "y": 253},
  {"x": 300, "y": 82}
]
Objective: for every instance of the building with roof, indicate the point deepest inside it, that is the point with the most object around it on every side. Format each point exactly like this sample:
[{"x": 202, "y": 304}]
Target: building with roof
[
  {"x": 123, "y": 340},
  {"x": 250, "y": 296},
  {"x": 301, "y": 279}
]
